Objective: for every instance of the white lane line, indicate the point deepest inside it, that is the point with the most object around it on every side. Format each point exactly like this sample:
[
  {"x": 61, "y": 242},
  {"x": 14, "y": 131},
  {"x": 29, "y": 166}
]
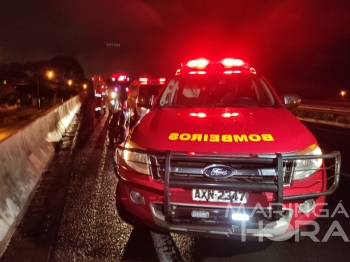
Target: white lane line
[{"x": 165, "y": 249}]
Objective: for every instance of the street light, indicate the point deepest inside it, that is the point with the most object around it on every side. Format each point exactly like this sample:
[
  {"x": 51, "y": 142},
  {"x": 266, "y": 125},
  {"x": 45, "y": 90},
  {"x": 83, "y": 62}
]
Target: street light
[
  {"x": 70, "y": 82},
  {"x": 50, "y": 74},
  {"x": 342, "y": 93}
]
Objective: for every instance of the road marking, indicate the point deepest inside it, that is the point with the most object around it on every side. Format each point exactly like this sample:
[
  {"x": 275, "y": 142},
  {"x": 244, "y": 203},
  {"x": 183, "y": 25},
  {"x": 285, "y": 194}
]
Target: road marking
[{"x": 163, "y": 243}]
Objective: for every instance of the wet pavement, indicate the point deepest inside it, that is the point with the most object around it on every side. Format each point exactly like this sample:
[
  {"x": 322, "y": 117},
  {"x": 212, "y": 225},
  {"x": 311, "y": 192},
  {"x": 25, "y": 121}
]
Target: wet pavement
[{"x": 72, "y": 217}]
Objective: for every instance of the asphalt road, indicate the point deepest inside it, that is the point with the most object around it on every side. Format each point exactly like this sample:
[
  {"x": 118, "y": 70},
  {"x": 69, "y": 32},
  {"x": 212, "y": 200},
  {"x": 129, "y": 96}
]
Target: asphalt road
[{"x": 73, "y": 216}]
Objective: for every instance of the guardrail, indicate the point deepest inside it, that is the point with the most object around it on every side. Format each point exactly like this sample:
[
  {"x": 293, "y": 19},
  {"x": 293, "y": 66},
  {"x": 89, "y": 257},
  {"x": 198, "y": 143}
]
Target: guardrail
[
  {"x": 325, "y": 109},
  {"x": 324, "y": 112}
]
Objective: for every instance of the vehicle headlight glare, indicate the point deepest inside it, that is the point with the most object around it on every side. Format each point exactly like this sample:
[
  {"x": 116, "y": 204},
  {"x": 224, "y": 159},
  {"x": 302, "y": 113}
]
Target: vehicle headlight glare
[
  {"x": 306, "y": 167},
  {"x": 113, "y": 94},
  {"x": 137, "y": 161}
]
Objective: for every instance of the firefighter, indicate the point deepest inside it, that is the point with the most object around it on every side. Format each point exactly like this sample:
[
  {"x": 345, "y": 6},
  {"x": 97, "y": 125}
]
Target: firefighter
[
  {"x": 98, "y": 100},
  {"x": 120, "y": 119}
]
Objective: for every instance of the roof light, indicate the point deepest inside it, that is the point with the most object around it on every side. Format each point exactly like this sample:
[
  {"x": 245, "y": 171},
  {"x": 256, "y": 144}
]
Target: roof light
[
  {"x": 121, "y": 78},
  {"x": 143, "y": 80},
  {"x": 229, "y": 62},
  {"x": 198, "y": 63}
]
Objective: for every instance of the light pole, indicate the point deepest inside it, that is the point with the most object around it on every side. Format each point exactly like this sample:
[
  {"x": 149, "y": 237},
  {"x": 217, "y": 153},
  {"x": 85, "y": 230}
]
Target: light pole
[{"x": 38, "y": 91}]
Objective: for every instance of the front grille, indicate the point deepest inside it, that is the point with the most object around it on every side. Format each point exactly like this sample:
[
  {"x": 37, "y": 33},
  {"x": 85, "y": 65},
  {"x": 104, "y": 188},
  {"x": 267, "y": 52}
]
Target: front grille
[
  {"x": 251, "y": 173},
  {"x": 245, "y": 171}
]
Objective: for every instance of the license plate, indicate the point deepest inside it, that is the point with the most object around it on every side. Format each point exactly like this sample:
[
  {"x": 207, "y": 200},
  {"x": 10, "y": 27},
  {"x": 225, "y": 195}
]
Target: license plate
[{"x": 212, "y": 195}]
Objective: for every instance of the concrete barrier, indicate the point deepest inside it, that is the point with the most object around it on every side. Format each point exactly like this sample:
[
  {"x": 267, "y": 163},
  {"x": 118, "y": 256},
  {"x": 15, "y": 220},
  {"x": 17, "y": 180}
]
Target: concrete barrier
[{"x": 23, "y": 158}]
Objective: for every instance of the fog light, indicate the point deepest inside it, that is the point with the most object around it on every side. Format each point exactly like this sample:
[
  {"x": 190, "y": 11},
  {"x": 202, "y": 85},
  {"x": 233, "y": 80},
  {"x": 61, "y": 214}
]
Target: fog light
[
  {"x": 240, "y": 217},
  {"x": 307, "y": 206},
  {"x": 200, "y": 214},
  {"x": 137, "y": 198}
]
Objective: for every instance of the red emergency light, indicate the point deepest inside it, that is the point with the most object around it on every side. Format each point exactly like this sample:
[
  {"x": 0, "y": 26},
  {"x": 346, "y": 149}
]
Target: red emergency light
[
  {"x": 226, "y": 66},
  {"x": 121, "y": 78},
  {"x": 230, "y": 62},
  {"x": 198, "y": 63},
  {"x": 143, "y": 80}
]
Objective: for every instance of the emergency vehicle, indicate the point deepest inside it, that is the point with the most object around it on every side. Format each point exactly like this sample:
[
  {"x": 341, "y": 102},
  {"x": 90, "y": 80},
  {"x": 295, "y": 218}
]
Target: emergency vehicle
[
  {"x": 117, "y": 89},
  {"x": 148, "y": 90},
  {"x": 100, "y": 86},
  {"x": 220, "y": 154}
]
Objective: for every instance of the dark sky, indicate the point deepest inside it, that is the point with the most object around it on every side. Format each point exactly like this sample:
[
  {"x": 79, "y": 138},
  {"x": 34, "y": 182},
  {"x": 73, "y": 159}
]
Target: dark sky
[{"x": 294, "y": 43}]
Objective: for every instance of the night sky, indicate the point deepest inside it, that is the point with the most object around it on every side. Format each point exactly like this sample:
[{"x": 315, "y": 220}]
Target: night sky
[{"x": 297, "y": 45}]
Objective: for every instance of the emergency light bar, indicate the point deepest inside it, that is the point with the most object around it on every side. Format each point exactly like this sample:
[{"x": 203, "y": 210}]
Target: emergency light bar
[
  {"x": 230, "y": 62},
  {"x": 226, "y": 66},
  {"x": 145, "y": 81},
  {"x": 121, "y": 78},
  {"x": 198, "y": 63}
]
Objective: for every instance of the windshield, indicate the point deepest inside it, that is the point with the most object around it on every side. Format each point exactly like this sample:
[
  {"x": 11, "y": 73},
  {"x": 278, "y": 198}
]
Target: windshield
[
  {"x": 215, "y": 91},
  {"x": 149, "y": 90}
]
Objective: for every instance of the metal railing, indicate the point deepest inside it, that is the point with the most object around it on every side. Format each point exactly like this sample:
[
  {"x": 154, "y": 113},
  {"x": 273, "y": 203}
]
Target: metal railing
[{"x": 341, "y": 110}]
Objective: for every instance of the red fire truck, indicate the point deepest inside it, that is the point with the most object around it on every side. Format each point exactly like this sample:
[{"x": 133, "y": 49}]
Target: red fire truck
[
  {"x": 100, "y": 87},
  {"x": 220, "y": 154},
  {"x": 107, "y": 90}
]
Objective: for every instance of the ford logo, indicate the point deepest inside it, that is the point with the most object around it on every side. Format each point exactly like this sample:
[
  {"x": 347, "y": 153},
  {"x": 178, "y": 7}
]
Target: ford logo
[{"x": 218, "y": 171}]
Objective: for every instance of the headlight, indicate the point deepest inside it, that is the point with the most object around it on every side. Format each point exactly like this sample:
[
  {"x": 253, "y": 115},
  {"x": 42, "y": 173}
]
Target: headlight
[
  {"x": 112, "y": 102},
  {"x": 306, "y": 167},
  {"x": 137, "y": 161},
  {"x": 113, "y": 94}
]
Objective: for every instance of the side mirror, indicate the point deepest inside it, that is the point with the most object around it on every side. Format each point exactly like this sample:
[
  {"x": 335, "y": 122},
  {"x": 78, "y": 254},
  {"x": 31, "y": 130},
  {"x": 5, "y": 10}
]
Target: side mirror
[
  {"x": 145, "y": 101},
  {"x": 291, "y": 100}
]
